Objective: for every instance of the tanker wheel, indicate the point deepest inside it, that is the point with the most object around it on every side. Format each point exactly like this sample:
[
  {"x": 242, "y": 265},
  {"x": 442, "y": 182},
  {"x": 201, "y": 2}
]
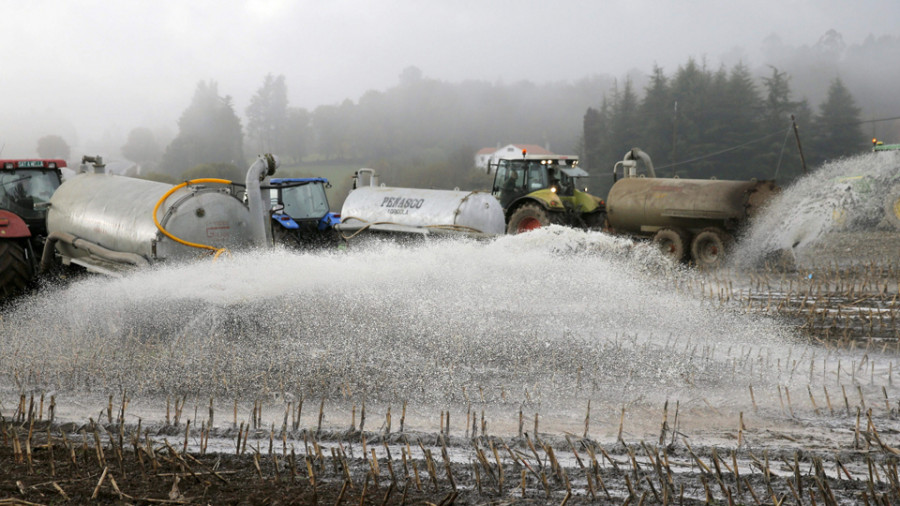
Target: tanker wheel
[
  {"x": 16, "y": 271},
  {"x": 527, "y": 218},
  {"x": 892, "y": 207},
  {"x": 708, "y": 248},
  {"x": 673, "y": 243}
]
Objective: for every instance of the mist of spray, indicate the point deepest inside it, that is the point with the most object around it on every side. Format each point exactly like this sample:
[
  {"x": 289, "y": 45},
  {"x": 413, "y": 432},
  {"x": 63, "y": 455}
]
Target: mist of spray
[
  {"x": 846, "y": 194},
  {"x": 554, "y": 315}
]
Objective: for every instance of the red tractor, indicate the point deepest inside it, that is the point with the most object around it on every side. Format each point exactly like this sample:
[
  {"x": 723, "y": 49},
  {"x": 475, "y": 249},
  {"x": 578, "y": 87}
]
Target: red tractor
[{"x": 25, "y": 190}]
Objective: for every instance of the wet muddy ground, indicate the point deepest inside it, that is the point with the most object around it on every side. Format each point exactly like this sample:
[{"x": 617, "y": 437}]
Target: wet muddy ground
[{"x": 801, "y": 460}]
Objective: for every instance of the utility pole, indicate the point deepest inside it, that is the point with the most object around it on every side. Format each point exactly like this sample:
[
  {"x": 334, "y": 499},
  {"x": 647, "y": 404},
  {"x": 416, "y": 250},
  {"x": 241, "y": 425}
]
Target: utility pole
[
  {"x": 674, "y": 134},
  {"x": 799, "y": 147}
]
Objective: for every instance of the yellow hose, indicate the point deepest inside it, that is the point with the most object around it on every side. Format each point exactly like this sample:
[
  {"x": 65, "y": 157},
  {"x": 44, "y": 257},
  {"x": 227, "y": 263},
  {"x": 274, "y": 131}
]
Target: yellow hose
[{"x": 218, "y": 251}]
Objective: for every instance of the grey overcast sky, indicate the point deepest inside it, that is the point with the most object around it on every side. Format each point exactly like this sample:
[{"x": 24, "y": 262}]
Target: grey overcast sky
[{"x": 100, "y": 66}]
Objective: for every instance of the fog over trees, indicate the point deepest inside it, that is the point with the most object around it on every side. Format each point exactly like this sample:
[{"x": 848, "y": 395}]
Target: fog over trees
[{"x": 695, "y": 120}]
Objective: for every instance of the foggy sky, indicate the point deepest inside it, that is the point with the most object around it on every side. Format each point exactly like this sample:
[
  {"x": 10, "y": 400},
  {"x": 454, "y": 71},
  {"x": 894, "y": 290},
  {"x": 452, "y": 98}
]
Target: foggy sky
[{"x": 106, "y": 67}]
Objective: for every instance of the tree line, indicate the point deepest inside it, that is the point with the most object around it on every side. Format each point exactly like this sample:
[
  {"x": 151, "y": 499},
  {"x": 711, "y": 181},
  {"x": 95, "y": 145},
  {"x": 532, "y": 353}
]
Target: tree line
[
  {"x": 424, "y": 132},
  {"x": 418, "y": 125},
  {"x": 703, "y": 123}
]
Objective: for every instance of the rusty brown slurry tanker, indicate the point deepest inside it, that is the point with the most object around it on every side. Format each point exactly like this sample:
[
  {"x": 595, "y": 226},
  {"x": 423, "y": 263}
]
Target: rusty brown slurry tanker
[{"x": 686, "y": 218}]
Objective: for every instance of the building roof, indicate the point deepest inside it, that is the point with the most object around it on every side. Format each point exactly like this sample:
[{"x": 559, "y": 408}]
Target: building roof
[{"x": 533, "y": 149}]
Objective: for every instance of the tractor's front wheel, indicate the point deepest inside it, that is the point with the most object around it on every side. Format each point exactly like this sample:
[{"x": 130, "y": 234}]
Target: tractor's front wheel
[
  {"x": 16, "y": 270},
  {"x": 526, "y": 218}
]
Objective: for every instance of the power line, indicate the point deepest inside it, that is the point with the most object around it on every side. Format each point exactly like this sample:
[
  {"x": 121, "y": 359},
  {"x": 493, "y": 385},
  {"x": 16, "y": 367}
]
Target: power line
[
  {"x": 726, "y": 150},
  {"x": 863, "y": 122},
  {"x": 880, "y": 120}
]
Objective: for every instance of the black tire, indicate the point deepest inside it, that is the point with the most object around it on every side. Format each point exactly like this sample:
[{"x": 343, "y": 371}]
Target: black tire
[
  {"x": 672, "y": 242},
  {"x": 16, "y": 270},
  {"x": 595, "y": 220},
  {"x": 710, "y": 247},
  {"x": 526, "y": 218},
  {"x": 892, "y": 207}
]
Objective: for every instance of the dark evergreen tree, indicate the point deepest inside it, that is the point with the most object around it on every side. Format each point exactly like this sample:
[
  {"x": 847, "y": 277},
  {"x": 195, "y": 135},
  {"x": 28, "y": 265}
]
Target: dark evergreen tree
[
  {"x": 142, "y": 148},
  {"x": 740, "y": 127},
  {"x": 780, "y": 155},
  {"x": 333, "y": 125},
  {"x": 837, "y": 129},
  {"x": 624, "y": 122},
  {"x": 778, "y": 106},
  {"x": 656, "y": 115},
  {"x": 690, "y": 86},
  {"x": 52, "y": 146},
  {"x": 297, "y": 136},
  {"x": 597, "y": 136},
  {"x": 710, "y": 115},
  {"x": 267, "y": 115},
  {"x": 209, "y": 132}
]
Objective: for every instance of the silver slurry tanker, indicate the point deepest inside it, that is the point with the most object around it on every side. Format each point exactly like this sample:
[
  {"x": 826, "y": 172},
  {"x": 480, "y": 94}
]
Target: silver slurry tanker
[
  {"x": 373, "y": 207},
  {"x": 694, "y": 218},
  {"x": 108, "y": 223}
]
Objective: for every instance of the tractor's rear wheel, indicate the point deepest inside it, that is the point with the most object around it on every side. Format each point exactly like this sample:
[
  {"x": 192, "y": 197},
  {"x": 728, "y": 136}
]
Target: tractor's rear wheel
[
  {"x": 527, "y": 218},
  {"x": 595, "y": 220},
  {"x": 672, "y": 242},
  {"x": 892, "y": 207},
  {"x": 16, "y": 270},
  {"x": 708, "y": 248}
]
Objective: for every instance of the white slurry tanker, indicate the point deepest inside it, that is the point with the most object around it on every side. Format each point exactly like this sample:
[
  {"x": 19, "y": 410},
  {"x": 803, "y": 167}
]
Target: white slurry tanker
[{"x": 377, "y": 208}]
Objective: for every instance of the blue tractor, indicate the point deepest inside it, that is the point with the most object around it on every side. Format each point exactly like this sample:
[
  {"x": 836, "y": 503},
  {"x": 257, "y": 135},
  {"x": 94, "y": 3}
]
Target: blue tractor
[{"x": 301, "y": 217}]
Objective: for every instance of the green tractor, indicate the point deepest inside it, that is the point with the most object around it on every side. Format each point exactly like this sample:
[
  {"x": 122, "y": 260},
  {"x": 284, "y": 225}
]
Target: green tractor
[
  {"x": 891, "y": 203},
  {"x": 877, "y": 145},
  {"x": 869, "y": 200},
  {"x": 540, "y": 190}
]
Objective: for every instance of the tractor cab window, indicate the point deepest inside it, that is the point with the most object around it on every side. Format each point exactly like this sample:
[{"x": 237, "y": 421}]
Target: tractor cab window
[
  {"x": 305, "y": 202},
  {"x": 509, "y": 182},
  {"x": 537, "y": 176},
  {"x": 566, "y": 184},
  {"x": 21, "y": 190}
]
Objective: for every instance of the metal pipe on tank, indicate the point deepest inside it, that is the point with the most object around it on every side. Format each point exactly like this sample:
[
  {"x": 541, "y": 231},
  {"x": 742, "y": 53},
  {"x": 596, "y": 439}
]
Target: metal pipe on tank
[
  {"x": 94, "y": 249},
  {"x": 96, "y": 161},
  {"x": 264, "y": 166},
  {"x": 365, "y": 178},
  {"x": 638, "y": 154}
]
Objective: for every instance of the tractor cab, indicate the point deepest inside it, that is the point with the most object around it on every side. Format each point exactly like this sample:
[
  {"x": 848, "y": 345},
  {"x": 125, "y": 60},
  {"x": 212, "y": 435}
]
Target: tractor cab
[
  {"x": 516, "y": 178},
  {"x": 26, "y": 187},
  {"x": 300, "y": 212},
  {"x": 25, "y": 190}
]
